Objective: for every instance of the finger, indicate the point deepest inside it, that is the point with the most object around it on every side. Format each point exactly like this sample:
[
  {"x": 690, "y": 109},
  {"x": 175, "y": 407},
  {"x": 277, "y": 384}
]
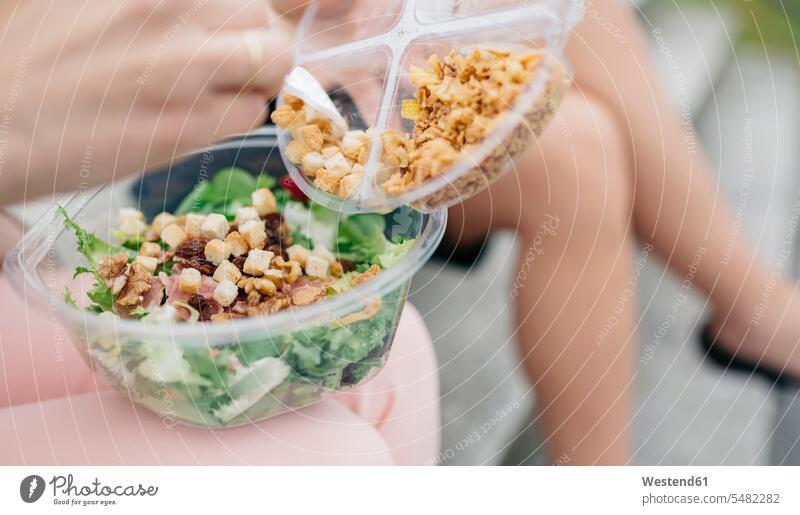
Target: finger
[
  {"x": 237, "y": 14},
  {"x": 237, "y": 114},
  {"x": 252, "y": 61},
  {"x": 294, "y": 9},
  {"x": 211, "y": 120}
]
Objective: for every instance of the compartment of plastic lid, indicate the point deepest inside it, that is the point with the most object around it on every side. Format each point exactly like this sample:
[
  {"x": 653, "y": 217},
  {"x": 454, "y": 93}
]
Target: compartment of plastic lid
[{"x": 424, "y": 28}]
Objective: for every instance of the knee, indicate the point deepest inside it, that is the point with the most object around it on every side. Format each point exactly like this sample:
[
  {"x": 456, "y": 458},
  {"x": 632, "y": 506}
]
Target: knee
[{"x": 588, "y": 180}]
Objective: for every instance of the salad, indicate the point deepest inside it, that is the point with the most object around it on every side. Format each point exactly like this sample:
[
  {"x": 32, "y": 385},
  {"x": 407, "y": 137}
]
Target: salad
[{"x": 238, "y": 247}]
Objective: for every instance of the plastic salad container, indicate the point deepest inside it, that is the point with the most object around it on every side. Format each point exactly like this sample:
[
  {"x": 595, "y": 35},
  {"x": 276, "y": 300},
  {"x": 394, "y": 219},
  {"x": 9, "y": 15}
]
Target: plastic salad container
[
  {"x": 218, "y": 374},
  {"x": 367, "y": 57}
]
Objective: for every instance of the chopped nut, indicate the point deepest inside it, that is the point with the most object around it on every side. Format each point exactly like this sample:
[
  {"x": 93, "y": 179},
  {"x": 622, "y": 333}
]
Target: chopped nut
[
  {"x": 227, "y": 271},
  {"x": 276, "y": 276},
  {"x": 291, "y": 271},
  {"x": 317, "y": 267},
  {"x": 173, "y": 236},
  {"x": 113, "y": 266},
  {"x": 237, "y": 244},
  {"x": 254, "y": 232},
  {"x": 137, "y": 285},
  {"x": 160, "y": 222},
  {"x": 257, "y": 262},
  {"x": 215, "y": 226},
  {"x": 150, "y": 249},
  {"x": 253, "y": 298},
  {"x": 194, "y": 224},
  {"x": 149, "y": 263},
  {"x": 264, "y": 286},
  {"x": 189, "y": 281},
  {"x": 264, "y": 201},
  {"x": 246, "y": 214},
  {"x": 225, "y": 293},
  {"x": 370, "y": 273},
  {"x": 217, "y": 251}
]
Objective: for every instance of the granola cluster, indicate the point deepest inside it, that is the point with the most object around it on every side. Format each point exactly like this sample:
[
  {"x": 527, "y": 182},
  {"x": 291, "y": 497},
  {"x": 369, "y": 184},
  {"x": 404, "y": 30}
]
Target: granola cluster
[
  {"x": 334, "y": 161},
  {"x": 220, "y": 269},
  {"x": 458, "y": 102}
]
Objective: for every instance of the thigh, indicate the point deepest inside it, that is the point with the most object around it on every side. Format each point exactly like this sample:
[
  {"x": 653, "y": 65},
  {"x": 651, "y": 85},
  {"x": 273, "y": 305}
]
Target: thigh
[{"x": 108, "y": 429}]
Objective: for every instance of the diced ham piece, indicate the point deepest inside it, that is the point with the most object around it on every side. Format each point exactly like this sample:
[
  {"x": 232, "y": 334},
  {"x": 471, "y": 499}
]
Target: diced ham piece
[{"x": 207, "y": 287}]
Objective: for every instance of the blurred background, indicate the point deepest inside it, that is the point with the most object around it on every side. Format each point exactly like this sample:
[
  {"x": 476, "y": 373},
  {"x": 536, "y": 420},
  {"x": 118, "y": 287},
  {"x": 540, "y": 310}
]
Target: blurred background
[{"x": 738, "y": 67}]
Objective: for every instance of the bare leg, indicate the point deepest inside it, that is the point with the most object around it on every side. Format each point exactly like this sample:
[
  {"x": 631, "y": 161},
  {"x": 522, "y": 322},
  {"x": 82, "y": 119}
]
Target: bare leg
[
  {"x": 676, "y": 207},
  {"x": 570, "y": 200}
]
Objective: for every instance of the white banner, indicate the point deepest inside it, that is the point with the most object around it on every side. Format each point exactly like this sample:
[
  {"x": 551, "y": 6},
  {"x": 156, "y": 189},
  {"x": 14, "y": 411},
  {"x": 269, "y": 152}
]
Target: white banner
[{"x": 332, "y": 490}]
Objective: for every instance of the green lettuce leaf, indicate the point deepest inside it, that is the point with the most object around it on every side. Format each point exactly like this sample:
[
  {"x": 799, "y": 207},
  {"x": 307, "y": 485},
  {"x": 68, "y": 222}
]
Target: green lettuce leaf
[
  {"x": 226, "y": 192},
  {"x": 94, "y": 250}
]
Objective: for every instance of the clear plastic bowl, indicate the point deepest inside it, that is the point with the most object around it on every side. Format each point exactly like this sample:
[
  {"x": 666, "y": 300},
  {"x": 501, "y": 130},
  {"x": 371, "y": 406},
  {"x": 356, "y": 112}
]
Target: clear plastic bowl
[
  {"x": 367, "y": 51},
  {"x": 149, "y": 361}
]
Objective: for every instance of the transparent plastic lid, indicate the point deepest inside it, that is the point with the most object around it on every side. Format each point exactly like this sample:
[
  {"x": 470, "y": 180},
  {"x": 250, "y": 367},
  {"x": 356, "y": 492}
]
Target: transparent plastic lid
[{"x": 362, "y": 57}]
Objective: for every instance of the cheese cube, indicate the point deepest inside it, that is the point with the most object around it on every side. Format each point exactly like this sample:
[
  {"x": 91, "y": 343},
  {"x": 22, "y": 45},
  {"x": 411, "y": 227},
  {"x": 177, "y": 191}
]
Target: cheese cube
[
  {"x": 160, "y": 222},
  {"x": 215, "y": 226},
  {"x": 338, "y": 165},
  {"x": 150, "y": 249},
  {"x": 225, "y": 293},
  {"x": 264, "y": 201},
  {"x": 189, "y": 281},
  {"x": 173, "y": 235},
  {"x": 297, "y": 253},
  {"x": 246, "y": 214},
  {"x": 217, "y": 251},
  {"x": 227, "y": 271},
  {"x": 257, "y": 262},
  {"x": 130, "y": 221},
  {"x": 194, "y": 224},
  {"x": 323, "y": 253},
  {"x": 147, "y": 262},
  {"x": 236, "y": 244},
  {"x": 255, "y": 233},
  {"x": 317, "y": 267},
  {"x": 276, "y": 276}
]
